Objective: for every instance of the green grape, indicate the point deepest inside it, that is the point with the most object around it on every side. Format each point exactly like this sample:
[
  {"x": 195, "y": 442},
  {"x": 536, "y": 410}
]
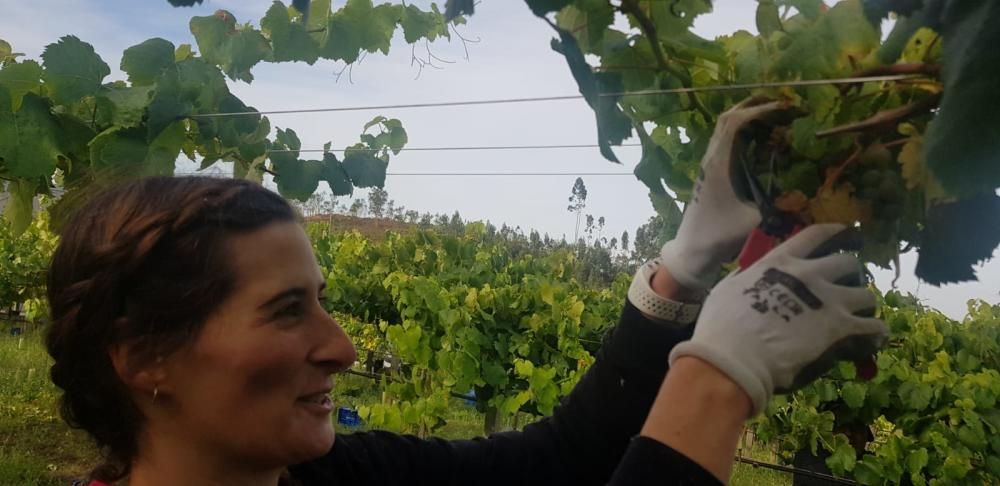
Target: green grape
[
  {"x": 876, "y": 155},
  {"x": 871, "y": 178}
]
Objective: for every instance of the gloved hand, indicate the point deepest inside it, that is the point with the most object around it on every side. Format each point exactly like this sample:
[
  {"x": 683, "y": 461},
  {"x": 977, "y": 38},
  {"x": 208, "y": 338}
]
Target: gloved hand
[
  {"x": 716, "y": 221},
  {"x": 783, "y": 322}
]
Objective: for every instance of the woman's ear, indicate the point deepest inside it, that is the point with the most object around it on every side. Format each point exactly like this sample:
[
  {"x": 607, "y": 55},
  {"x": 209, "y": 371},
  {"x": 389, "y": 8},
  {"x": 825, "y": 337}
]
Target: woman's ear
[{"x": 137, "y": 371}]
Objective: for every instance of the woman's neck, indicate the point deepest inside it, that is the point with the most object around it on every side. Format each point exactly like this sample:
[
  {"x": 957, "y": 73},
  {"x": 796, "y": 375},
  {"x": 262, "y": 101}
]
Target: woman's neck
[{"x": 172, "y": 461}]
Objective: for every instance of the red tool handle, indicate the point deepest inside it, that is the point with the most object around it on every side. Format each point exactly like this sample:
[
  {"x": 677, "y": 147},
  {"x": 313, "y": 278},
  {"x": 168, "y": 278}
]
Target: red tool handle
[{"x": 756, "y": 246}]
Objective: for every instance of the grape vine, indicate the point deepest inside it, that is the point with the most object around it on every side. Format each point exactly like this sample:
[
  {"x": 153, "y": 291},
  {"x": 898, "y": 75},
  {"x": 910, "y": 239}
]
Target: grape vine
[
  {"x": 466, "y": 315},
  {"x": 63, "y": 125},
  {"x": 912, "y": 161},
  {"x": 933, "y": 403}
]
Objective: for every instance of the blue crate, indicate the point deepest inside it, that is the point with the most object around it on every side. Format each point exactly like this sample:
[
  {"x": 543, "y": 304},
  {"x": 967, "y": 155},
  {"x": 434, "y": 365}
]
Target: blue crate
[
  {"x": 470, "y": 398},
  {"x": 348, "y": 417}
]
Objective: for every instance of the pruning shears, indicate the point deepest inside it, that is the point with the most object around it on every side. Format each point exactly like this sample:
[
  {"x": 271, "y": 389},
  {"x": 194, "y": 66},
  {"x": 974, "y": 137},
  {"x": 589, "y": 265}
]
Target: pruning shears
[{"x": 775, "y": 227}]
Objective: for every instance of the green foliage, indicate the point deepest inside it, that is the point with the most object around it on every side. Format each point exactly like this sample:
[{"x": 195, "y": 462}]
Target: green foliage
[
  {"x": 814, "y": 153},
  {"x": 61, "y": 122},
  {"x": 962, "y": 131},
  {"x": 465, "y": 314},
  {"x": 24, "y": 259},
  {"x": 933, "y": 403}
]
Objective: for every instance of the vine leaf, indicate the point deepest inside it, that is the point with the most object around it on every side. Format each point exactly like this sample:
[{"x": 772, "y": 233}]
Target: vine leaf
[
  {"x": 768, "y": 18},
  {"x": 961, "y": 145},
  {"x": 72, "y": 70},
  {"x": 20, "y": 205},
  {"x": 28, "y": 145},
  {"x": 128, "y": 104},
  {"x": 298, "y": 179},
  {"x": 956, "y": 236},
  {"x": 613, "y": 126},
  {"x": 145, "y": 61},
  {"x": 20, "y": 79},
  {"x": 541, "y": 8},
  {"x": 364, "y": 169},
  {"x": 290, "y": 41},
  {"x": 811, "y": 9},
  {"x": 590, "y": 20},
  {"x": 418, "y": 24},
  {"x": 336, "y": 177},
  {"x": 827, "y": 49},
  {"x": 360, "y": 26},
  {"x": 235, "y": 50}
]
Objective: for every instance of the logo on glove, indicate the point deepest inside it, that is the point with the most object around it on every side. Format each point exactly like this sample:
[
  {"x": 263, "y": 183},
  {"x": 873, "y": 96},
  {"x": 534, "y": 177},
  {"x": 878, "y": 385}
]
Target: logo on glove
[{"x": 782, "y": 294}]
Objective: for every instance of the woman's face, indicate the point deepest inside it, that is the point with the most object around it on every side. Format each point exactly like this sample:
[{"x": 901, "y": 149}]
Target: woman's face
[{"x": 254, "y": 384}]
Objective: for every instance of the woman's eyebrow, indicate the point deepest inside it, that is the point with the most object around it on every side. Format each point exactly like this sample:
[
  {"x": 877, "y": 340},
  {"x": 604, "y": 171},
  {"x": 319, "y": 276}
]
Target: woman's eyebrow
[{"x": 292, "y": 292}]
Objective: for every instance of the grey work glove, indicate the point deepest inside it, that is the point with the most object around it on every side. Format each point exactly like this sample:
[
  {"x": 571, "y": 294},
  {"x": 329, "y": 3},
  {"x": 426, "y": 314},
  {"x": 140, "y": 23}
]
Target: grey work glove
[
  {"x": 783, "y": 322},
  {"x": 716, "y": 221}
]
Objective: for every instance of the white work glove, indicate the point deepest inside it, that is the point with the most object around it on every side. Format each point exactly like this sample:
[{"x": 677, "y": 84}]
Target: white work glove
[
  {"x": 783, "y": 322},
  {"x": 716, "y": 221}
]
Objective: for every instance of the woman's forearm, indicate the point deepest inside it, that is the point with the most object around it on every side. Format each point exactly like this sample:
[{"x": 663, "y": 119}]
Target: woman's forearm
[{"x": 700, "y": 413}]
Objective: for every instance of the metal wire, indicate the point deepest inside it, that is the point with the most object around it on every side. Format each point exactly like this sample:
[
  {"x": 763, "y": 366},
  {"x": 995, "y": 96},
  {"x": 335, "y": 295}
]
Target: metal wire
[
  {"x": 795, "y": 471},
  {"x": 453, "y": 149},
  {"x": 727, "y": 87}
]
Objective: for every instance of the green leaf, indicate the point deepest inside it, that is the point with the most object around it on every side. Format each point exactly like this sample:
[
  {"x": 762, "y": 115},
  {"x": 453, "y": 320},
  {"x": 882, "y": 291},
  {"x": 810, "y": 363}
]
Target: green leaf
[
  {"x": 955, "y": 238},
  {"x": 360, "y": 26},
  {"x": 300, "y": 179},
  {"x": 613, "y": 126},
  {"x": 916, "y": 460},
  {"x": 809, "y": 9},
  {"x": 916, "y": 396},
  {"x": 129, "y": 104},
  {"x": 364, "y": 169},
  {"x": 19, "y": 205},
  {"x": 829, "y": 49},
  {"x": 418, "y": 24},
  {"x": 235, "y": 50},
  {"x": 768, "y": 18},
  {"x": 28, "y": 145},
  {"x": 890, "y": 50},
  {"x": 20, "y": 79},
  {"x": 494, "y": 374},
  {"x": 121, "y": 151},
  {"x": 7, "y": 54},
  {"x": 290, "y": 41},
  {"x": 162, "y": 154},
  {"x": 843, "y": 458},
  {"x": 72, "y": 70},
  {"x": 960, "y": 147},
  {"x": 336, "y": 177},
  {"x": 588, "y": 20},
  {"x": 542, "y": 8},
  {"x": 145, "y": 62},
  {"x": 853, "y": 394},
  {"x": 869, "y": 471}
]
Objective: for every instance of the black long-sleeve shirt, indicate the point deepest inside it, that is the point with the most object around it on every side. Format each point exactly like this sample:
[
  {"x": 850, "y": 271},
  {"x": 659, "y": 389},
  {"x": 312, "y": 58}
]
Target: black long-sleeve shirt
[{"x": 591, "y": 439}]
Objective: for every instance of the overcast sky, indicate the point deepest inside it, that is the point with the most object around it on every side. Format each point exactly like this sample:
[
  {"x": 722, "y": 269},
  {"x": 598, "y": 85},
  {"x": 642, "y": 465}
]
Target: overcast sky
[{"x": 511, "y": 60}]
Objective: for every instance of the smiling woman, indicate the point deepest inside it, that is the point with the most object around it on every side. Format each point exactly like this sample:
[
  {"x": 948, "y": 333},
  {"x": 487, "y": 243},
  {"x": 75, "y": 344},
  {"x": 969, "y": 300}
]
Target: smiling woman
[{"x": 182, "y": 341}]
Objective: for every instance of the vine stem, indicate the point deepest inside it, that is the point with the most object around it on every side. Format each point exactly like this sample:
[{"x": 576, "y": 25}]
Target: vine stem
[
  {"x": 832, "y": 177},
  {"x": 631, "y": 7}
]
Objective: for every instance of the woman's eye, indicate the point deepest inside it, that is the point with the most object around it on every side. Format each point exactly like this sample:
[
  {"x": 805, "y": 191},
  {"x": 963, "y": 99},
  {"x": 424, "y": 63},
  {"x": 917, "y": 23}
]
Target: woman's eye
[{"x": 290, "y": 310}]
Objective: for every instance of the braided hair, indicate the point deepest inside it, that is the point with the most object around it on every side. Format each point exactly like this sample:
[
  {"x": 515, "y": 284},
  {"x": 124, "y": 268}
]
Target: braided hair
[{"x": 143, "y": 263}]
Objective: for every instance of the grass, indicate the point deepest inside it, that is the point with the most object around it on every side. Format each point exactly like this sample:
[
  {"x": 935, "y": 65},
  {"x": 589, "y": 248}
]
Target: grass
[
  {"x": 36, "y": 446},
  {"x": 38, "y": 449}
]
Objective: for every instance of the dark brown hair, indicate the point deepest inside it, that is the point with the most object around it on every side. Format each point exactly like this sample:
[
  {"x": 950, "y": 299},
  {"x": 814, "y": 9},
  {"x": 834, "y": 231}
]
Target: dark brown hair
[{"x": 143, "y": 263}]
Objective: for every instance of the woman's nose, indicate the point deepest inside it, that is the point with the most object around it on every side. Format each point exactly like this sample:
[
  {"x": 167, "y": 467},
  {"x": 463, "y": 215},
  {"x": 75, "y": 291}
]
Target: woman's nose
[{"x": 333, "y": 348}]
